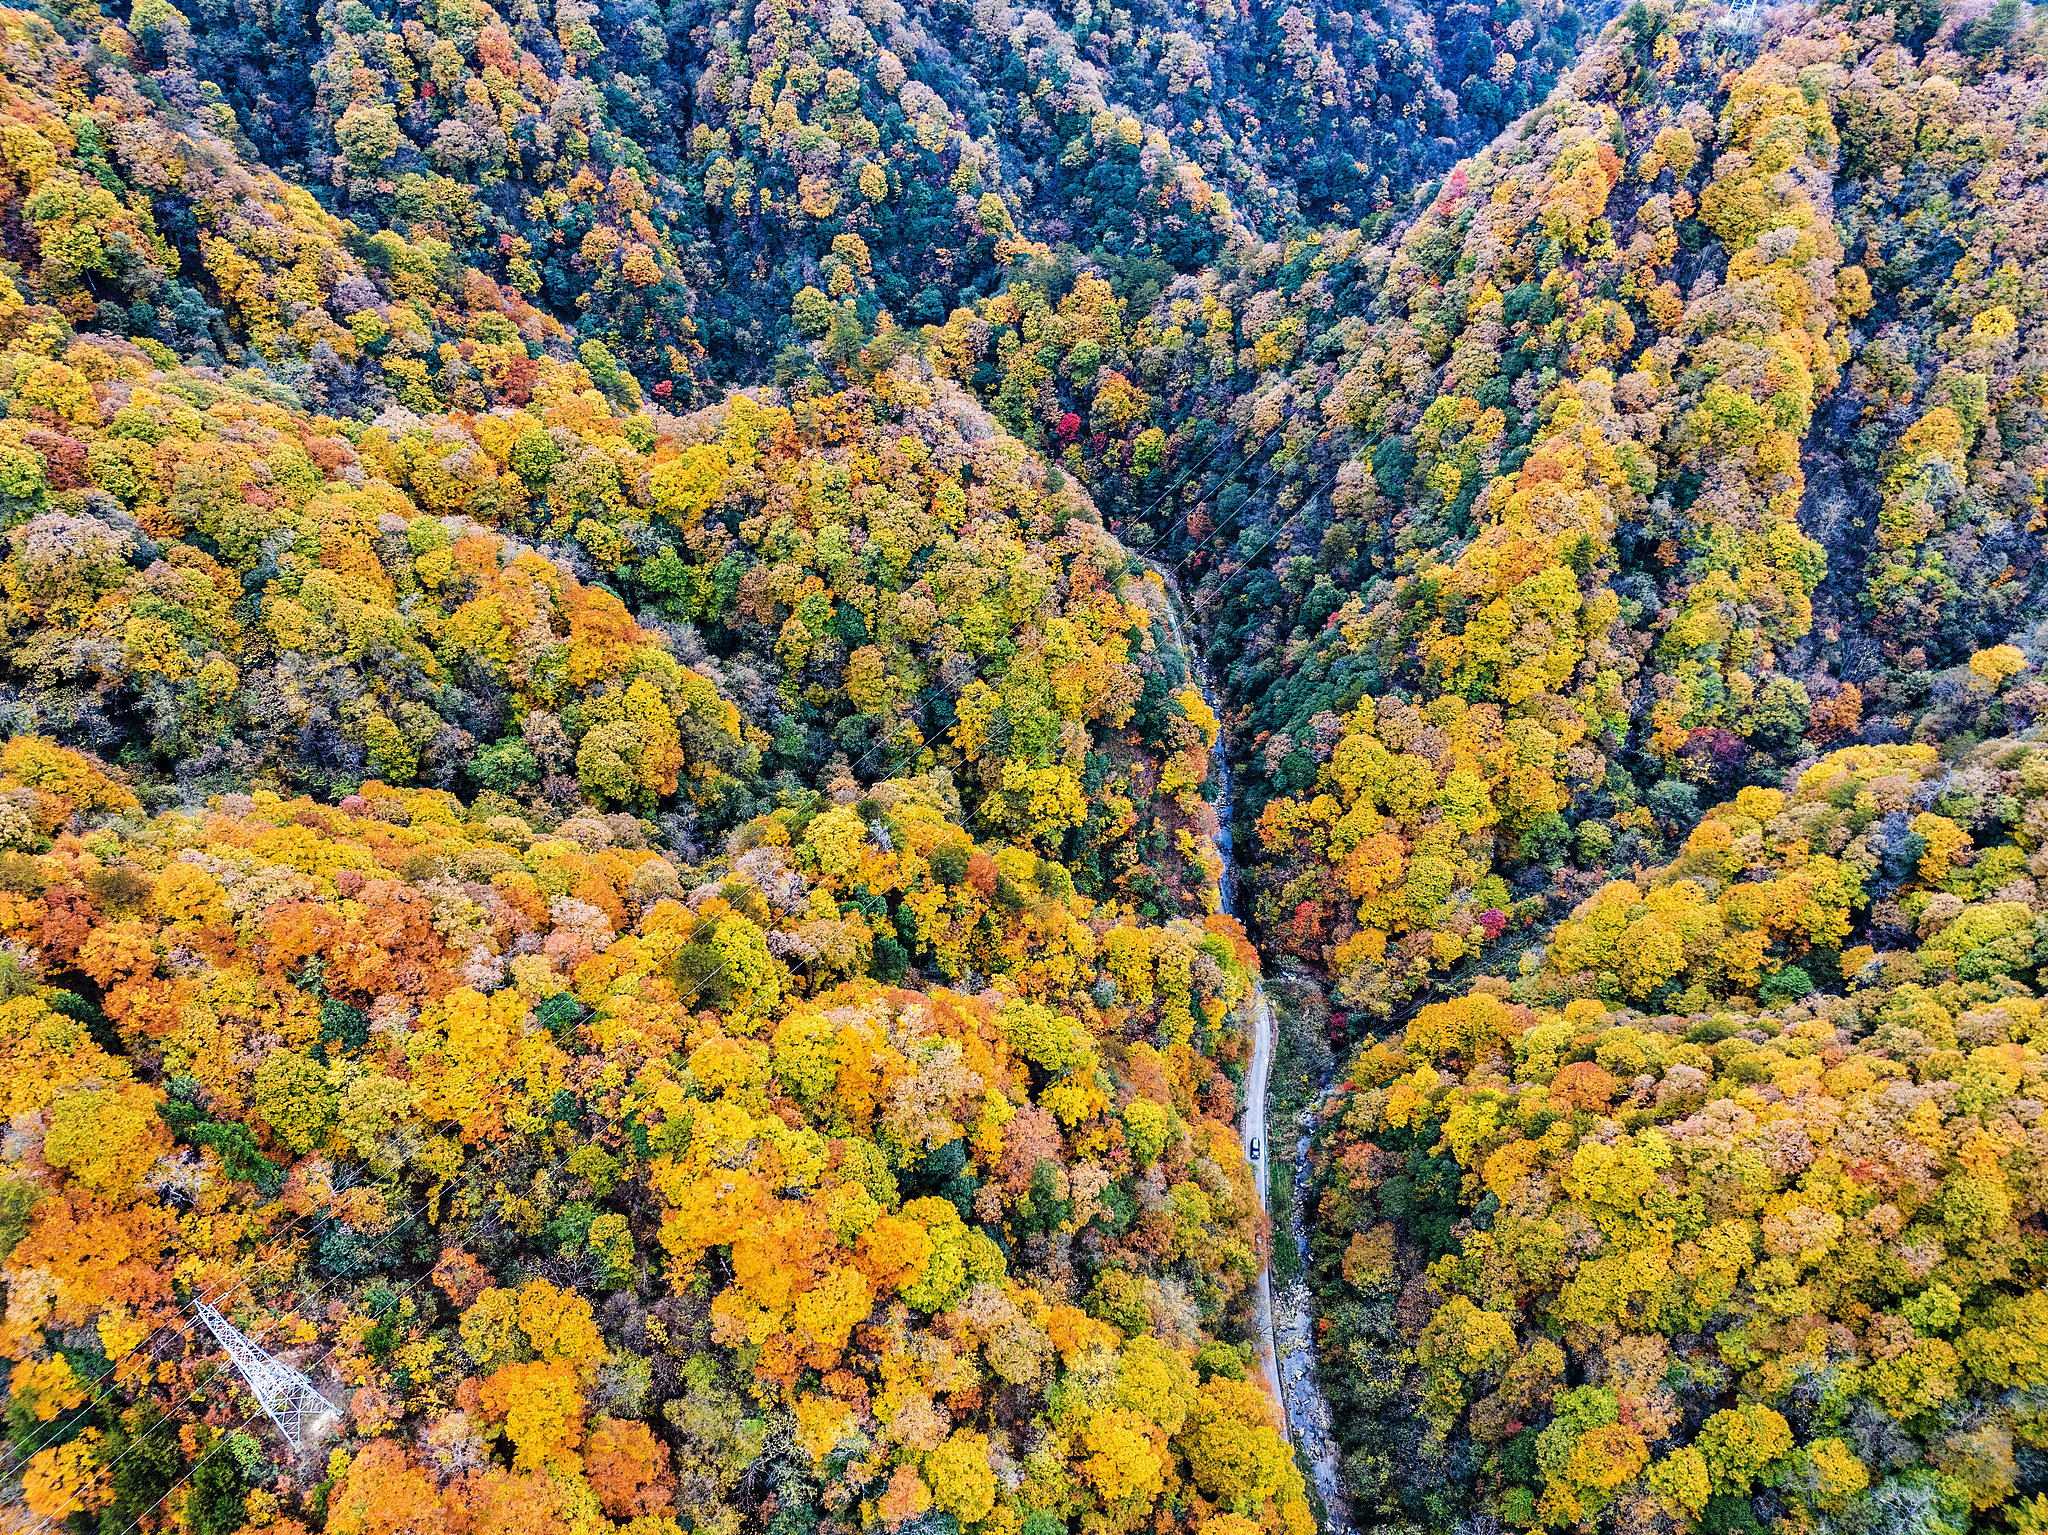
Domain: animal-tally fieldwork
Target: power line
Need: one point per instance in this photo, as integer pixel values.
(408, 1287)
(213, 1294)
(385, 1237)
(1243, 507)
(1252, 453)
(222, 1439)
(1270, 538)
(1222, 436)
(389, 1232)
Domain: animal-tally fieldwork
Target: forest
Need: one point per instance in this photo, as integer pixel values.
(688, 691)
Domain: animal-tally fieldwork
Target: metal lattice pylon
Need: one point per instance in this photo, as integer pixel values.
(285, 1393)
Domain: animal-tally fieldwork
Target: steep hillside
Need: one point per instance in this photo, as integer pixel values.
(609, 837)
(669, 961)
(1765, 1251)
(676, 176)
(1628, 487)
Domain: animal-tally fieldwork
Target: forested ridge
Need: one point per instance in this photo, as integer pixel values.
(609, 842)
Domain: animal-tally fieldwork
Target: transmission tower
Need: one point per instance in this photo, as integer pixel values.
(286, 1394)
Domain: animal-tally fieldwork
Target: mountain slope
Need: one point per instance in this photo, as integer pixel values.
(606, 834)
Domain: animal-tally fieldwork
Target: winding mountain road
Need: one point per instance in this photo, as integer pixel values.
(1286, 1343)
(1255, 1132)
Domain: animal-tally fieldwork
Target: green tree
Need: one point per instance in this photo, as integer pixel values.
(293, 1098)
(812, 311)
